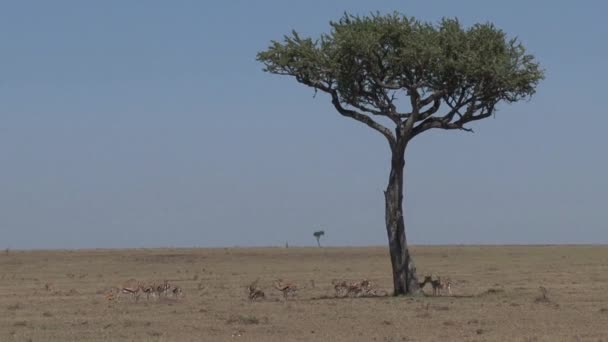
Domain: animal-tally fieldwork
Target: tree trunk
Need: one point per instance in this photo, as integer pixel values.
(405, 280)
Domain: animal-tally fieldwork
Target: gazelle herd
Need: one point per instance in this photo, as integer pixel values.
(154, 290)
(344, 288)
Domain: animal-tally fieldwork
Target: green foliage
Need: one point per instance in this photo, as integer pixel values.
(367, 62)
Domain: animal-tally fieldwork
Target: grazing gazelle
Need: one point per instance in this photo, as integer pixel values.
(288, 289)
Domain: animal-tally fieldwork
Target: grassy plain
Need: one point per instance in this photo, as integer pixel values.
(496, 295)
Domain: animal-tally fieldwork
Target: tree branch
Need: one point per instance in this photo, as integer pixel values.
(435, 122)
(378, 99)
(468, 116)
(458, 104)
(408, 124)
(335, 100)
(392, 86)
(434, 97)
(485, 112)
(427, 113)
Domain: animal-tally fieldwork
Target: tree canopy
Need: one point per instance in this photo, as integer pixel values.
(367, 63)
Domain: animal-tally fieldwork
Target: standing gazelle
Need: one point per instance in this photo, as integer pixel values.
(439, 285)
(133, 291)
(288, 289)
(148, 290)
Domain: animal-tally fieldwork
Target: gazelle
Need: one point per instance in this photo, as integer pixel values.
(133, 291)
(254, 292)
(162, 288)
(446, 285)
(341, 287)
(176, 291)
(148, 290)
(356, 289)
(366, 286)
(288, 289)
(439, 285)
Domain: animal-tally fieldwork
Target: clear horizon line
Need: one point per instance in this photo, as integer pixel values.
(310, 246)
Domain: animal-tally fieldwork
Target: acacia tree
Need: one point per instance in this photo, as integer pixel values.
(442, 76)
(318, 235)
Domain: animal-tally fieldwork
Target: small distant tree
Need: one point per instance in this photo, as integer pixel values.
(318, 235)
(415, 77)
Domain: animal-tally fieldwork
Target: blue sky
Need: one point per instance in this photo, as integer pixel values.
(142, 124)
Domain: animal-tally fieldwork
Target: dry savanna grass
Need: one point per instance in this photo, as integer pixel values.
(542, 293)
